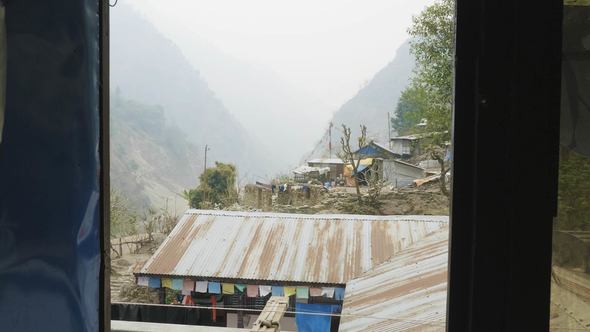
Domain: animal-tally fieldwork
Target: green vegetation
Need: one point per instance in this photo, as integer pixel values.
(123, 218)
(430, 93)
(573, 191)
(217, 188)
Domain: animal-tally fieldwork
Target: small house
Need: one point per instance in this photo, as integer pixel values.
(405, 146)
(336, 166)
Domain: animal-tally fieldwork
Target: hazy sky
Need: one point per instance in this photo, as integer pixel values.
(328, 47)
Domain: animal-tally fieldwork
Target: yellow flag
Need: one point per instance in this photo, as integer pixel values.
(289, 291)
(227, 288)
(167, 282)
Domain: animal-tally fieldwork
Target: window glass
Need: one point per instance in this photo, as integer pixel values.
(570, 282)
(295, 149)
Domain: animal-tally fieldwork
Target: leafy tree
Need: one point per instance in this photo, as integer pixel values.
(430, 93)
(217, 186)
(573, 191)
(347, 153)
(123, 217)
(410, 110)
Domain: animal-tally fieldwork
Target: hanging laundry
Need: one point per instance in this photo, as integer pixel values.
(264, 290)
(240, 288)
(214, 288)
(290, 291)
(227, 289)
(166, 282)
(328, 292)
(188, 300)
(302, 292)
(252, 291)
(339, 294)
(278, 291)
(143, 281)
(187, 286)
(201, 286)
(154, 282)
(177, 284)
(315, 291)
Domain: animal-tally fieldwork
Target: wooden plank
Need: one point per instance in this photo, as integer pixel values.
(269, 318)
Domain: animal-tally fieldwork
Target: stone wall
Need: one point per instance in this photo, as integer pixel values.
(257, 197)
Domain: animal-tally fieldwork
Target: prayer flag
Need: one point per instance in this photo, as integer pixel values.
(264, 290)
(227, 288)
(302, 292)
(214, 288)
(278, 291)
(154, 282)
(201, 287)
(167, 282)
(314, 291)
(177, 284)
(252, 290)
(328, 292)
(290, 291)
(142, 281)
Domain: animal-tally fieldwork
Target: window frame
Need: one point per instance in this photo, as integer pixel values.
(507, 102)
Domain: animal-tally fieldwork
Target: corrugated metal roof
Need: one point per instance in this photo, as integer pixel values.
(336, 161)
(329, 249)
(407, 293)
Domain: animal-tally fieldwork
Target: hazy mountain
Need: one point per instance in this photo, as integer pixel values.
(152, 70)
(151, 160)
(372, 103)
(279, 114)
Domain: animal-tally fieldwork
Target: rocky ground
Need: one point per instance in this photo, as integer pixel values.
(123, 287)
(425, 200)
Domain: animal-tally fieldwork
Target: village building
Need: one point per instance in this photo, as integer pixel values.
(336, 166)
(393, 171)
(375, 150)
(405, 146)
(397, 173)
(407, 293)
(233, 260)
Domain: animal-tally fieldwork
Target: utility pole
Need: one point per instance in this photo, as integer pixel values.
(389, 129)
(330, 134)
(206, 149)
(205, 170)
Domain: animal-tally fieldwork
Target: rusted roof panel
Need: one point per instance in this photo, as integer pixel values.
(408, 293)
(329, 249)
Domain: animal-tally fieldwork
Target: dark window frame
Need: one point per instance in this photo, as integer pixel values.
(506, 144)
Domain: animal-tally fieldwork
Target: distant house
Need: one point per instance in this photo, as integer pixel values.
(336, 166)
(398, 173)
(307, 173)
(405, 146)
(376, 150)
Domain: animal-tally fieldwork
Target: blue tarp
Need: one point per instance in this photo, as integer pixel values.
(313, 323)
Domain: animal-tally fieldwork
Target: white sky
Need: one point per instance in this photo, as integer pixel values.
(327, 47)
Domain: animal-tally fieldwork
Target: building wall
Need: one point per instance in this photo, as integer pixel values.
(257, 197)
(400, 175)
(335, 169)
(401, 147)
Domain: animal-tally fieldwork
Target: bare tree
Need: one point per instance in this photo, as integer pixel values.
(438, 153)
(347, 153)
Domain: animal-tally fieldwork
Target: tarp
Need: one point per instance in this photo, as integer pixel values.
(308, 322)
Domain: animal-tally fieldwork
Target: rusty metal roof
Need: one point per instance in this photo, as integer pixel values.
(408, 293)
(330, 249)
